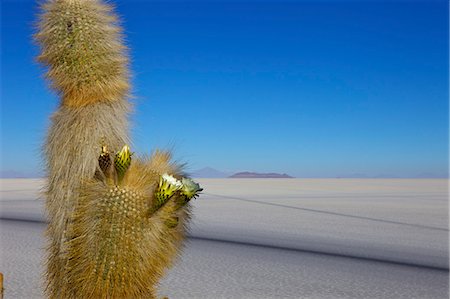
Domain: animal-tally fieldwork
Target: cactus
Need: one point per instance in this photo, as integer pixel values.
(111, 234)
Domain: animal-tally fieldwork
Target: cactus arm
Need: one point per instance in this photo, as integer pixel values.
(117, 249)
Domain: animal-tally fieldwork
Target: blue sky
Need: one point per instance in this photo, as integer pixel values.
(313, 89)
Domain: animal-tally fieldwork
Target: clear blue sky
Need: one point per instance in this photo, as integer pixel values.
(313, 89)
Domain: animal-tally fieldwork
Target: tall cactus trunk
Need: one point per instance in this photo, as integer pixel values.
(106, 239)
(72, 151)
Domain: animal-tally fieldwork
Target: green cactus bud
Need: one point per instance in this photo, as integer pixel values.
(122, 161)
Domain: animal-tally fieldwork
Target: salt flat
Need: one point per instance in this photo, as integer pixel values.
(277, 238)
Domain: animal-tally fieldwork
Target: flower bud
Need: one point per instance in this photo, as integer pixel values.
(122, 161)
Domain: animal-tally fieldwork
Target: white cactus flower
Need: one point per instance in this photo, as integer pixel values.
(190, 188)
(168, 185)
(170, 180)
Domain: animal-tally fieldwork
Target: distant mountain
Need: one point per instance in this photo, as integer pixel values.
(256, 175)
(209, 173)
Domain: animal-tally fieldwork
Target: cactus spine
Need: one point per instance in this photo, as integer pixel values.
(108, 235)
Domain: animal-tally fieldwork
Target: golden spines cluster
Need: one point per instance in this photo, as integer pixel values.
(81, 44)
